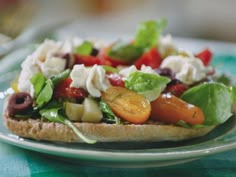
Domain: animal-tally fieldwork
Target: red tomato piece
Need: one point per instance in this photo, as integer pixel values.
(87, 60)
(116, 80)
(205, 56)
(177, 89)
(150, 58)
(63, 90)
(107, 60)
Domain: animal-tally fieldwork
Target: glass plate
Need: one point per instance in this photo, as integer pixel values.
(138, 154)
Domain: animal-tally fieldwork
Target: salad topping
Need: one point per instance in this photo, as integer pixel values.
(134, 82)
(187, 69)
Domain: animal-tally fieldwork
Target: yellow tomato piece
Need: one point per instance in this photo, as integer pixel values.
(127, 104)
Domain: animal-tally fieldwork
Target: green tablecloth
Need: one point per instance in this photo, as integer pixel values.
(17, 162)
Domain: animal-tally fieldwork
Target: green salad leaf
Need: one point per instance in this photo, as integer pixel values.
(224, 79)
(214, 99)
(149, 85)
(109, 116)
(233, 88)
(56, 115)
(44, 90)
(38, 82)
(85, 48)
(148, 33)
(52, 115)
(146, 37)
(110, 69)
(186, 125)
(46, 94)
(59, 77)
(125, 51)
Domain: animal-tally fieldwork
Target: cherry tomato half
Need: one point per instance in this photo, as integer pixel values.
(177, 89)
(115, 79)
(150, 58)
(171, 109)
(127, 104)
(87, 60)
(205, 56)
(63, 90)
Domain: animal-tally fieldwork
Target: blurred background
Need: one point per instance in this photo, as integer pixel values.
(27, 19)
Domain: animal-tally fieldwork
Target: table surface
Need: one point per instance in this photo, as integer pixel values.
(18, 162)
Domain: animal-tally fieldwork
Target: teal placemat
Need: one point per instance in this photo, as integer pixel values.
(17, 162)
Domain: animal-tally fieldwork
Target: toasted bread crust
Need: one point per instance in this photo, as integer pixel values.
(101, 132)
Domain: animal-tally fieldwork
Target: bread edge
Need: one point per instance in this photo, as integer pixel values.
(101, 132)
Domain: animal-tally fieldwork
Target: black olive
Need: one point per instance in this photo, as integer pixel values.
(166, 72)
(174, 82)
(19, 103)
(94, 52)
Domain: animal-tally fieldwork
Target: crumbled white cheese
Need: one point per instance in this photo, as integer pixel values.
(28, 70)
(53, 66)
(46, 60)
(166, 46)
(187, 69)
(93, 79)
(129, 70)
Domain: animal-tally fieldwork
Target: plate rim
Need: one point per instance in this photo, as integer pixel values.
(116, 155)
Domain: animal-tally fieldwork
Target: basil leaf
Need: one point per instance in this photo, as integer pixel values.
(46, 94)
(108, 115)
(214, 99)
(52, 115)
(110, 69)
(148, 33)
(85, 48)
(125, 52)
(38, 82)
(224, 79)
(59, 77)
(55, 115)
(233, 88)
(146, 84)
(186, 125)
(45, 90)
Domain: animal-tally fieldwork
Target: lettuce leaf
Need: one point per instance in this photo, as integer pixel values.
(38, 82)
(46, 94)
(146, 37)
(214, 99)
(85, 48)
(146, 84)
(109, 116)
(44, 88)
(110, 69)
(56, 115)
(59, 77)
(125, 51)
(148, 33)
(233, 88)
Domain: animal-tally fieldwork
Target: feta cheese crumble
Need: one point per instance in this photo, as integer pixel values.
(43, 60)
(187, 69)
(93, 79)
(129, 70)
